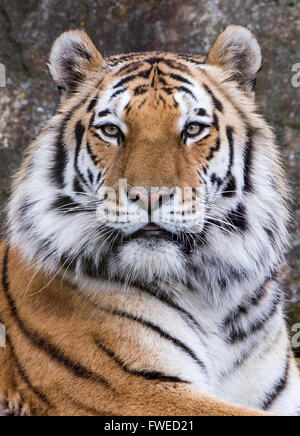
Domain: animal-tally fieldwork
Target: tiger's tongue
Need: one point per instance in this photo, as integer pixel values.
(152, 227)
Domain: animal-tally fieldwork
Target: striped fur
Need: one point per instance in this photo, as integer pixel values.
(187, 322)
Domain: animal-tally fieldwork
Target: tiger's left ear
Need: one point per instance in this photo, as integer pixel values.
(237, 50)
(73, 58)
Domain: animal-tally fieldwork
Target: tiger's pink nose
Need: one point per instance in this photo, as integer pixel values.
(149, 200)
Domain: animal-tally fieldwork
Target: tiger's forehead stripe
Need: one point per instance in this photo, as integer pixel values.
(171, 75)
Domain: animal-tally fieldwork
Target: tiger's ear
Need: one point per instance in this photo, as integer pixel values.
(237, 50)
(73, 57)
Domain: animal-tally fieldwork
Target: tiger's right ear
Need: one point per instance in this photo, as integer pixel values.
(237, 51)
(73, 58)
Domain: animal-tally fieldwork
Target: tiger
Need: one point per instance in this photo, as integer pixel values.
(120, 295)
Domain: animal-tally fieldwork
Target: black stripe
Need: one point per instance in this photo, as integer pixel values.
(119, 92)
(201, 112)
(218, 105)
(244, 309)
(94, 158)
(236, 219)
(239, 334)
(162, 333)
(86, 408)
(215, 179)
(164, 298)
(61, 156)
(144, 74)
(92, 120)
(125, 80)
(115, 60)
(215, 149)
(66, 205)
(129, 68)
(187, 91)
(190, 58)
(43, 343)
(229, 134)
(168, 91)
(215, 123)
(90, 176)
(175, 65)
(180, 79)
(149, 375)
(37, 392)
(77, 187)
(60, 159)
(229, 190)
(160, 80)
(248, 158)
(278, 388)
(79, 133)
(92, 104)
(140, 90)
(104, 113)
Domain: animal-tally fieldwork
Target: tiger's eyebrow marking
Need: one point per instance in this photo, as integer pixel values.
(201, 112)
(120, 91)
(187, 91)
(104, 113)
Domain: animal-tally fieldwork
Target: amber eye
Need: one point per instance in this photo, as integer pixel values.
(193, 129)
(111, 130)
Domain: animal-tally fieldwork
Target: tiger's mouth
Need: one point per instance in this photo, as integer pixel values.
(151, 228)
(152, 231)
(151, 235)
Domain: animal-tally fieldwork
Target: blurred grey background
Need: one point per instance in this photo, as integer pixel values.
(28, 28)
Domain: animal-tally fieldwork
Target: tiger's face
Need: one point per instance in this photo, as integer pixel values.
(153, 132)
(149, 163)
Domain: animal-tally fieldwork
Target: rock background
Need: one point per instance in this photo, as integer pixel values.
(27, 30)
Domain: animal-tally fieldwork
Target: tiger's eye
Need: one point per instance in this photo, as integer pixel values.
(110, 130)
(193, 129)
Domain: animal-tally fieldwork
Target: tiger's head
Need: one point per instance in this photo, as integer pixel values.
(155, 169)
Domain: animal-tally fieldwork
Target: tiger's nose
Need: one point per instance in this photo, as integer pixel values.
(149, 200)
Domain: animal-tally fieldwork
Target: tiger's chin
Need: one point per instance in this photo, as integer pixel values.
(149, 257)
